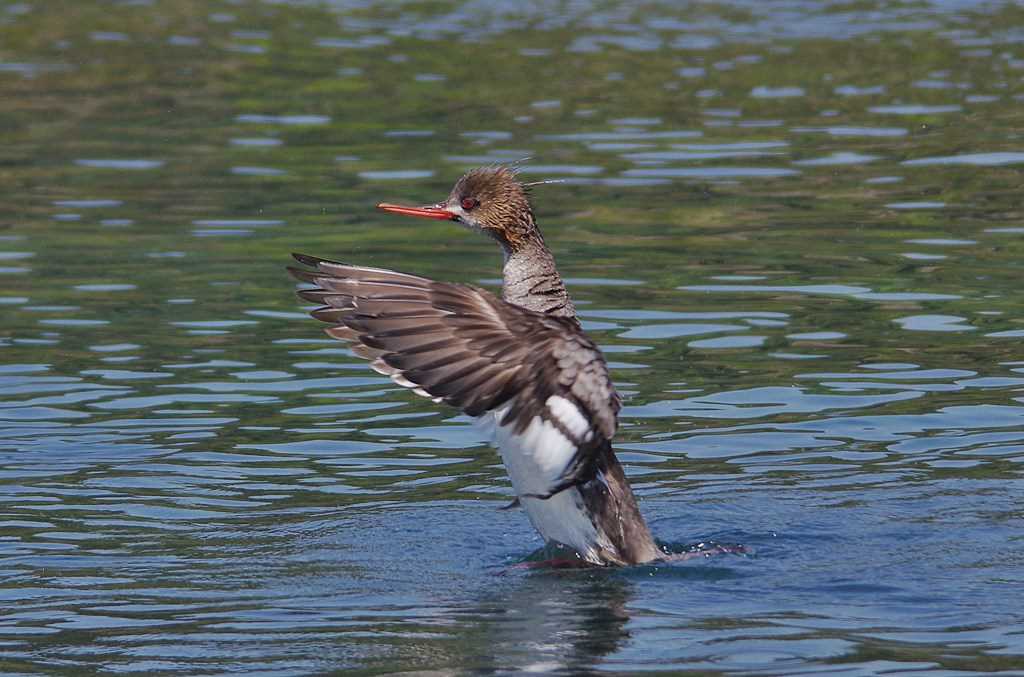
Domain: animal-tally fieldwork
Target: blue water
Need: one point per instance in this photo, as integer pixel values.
(793, 227)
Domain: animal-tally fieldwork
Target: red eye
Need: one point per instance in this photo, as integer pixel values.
(469, 202)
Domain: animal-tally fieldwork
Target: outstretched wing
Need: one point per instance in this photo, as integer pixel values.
(461, 345)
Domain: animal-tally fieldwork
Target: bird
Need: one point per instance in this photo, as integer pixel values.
(520, 364)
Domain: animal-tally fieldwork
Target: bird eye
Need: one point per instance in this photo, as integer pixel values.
(469, 202)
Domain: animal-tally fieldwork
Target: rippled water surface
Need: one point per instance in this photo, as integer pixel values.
(794, 227)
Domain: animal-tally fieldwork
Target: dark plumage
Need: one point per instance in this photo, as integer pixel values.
(461, 345)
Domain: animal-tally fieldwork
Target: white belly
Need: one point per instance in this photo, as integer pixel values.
(535, 459)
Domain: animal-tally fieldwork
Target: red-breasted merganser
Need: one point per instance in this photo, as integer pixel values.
(520, 363)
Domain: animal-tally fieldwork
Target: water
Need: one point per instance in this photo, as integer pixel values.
(794, 227)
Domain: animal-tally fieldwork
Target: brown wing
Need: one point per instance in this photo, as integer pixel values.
(463, 346)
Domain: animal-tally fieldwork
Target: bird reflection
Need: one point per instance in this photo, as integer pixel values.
(551, 621)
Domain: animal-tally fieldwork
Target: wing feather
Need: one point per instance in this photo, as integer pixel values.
(461, 345)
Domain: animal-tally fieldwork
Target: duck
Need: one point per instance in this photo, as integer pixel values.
(519, 364)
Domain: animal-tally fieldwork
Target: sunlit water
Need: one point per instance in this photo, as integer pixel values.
(794, 227)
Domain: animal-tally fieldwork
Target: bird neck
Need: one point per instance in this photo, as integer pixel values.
(531, 280)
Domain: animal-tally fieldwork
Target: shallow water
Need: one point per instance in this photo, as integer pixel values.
(794, 227)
